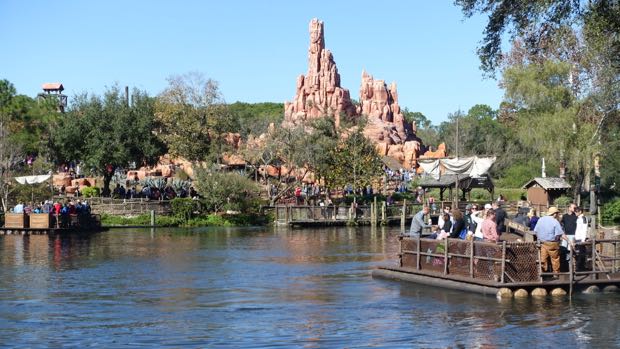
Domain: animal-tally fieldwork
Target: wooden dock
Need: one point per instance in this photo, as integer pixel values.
(47, 224)
(378, 213)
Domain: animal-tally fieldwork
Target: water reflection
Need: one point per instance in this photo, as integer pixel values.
(260, 288)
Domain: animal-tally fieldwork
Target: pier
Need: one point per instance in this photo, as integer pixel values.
(48, 224)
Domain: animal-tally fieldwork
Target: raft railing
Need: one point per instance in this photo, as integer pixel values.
(504, 262)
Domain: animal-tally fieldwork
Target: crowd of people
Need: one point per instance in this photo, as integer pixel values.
(557, 233)
(60, 211)
(54, 208)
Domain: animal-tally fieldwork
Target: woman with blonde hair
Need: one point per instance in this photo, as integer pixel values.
(533, 218)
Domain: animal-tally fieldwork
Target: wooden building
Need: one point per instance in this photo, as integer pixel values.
(544, 190)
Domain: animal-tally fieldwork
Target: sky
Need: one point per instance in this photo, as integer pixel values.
(254, 49)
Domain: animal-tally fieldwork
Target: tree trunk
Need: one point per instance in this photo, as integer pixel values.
(107, 178)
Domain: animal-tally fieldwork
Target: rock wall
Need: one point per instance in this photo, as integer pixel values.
(318, 93)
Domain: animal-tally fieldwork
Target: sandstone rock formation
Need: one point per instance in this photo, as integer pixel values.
(318, 93)
(386, 126)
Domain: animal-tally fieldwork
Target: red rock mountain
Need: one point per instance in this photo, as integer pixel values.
(319, 94)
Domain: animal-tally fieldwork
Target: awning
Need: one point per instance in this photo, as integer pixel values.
(470, 166)
(32, 179)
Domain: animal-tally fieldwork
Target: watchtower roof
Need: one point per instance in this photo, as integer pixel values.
(52, 86)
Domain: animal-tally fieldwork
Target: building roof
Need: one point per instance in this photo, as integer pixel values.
(52, 86)
(392, 163)
(548, 183)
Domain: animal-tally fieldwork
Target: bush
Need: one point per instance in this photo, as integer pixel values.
(220, 189)
(562, 201)
(611, 211)
(517, 175)
(90, 192)
(183, 208)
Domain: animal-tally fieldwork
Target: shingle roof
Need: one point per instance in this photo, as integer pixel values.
(52, 86)
(549, 183)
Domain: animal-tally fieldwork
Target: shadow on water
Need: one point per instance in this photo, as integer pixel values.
(260, 287)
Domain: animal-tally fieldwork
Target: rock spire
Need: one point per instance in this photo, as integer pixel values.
(318, 93)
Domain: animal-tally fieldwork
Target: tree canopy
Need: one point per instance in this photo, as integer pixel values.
(193, 117)
(105, 133)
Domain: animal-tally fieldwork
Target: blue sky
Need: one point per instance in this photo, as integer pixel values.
(254, 49)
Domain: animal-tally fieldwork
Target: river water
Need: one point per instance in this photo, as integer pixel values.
(258, 288)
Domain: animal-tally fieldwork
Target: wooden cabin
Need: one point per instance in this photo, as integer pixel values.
(544, 190)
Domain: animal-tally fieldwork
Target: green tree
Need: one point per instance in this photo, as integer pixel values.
(106, 133)
(550, 118)
(421, 121)
(355, 161)
(24, 131)
(255, 118)
(543, 21)
(194, 118)
(222, 190)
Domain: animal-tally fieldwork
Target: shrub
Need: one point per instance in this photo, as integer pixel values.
(562, 201)
(219, 189)
(90, 192)
(183, 208)
(611, 211)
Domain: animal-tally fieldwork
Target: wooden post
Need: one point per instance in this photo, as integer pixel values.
(503, 261)
(372, 213)
(471, 258)
(403, 215)
(286, 214)
(152, 218)
(400, 250)
(614, 265)
(383, 213)
(417, 264)
(276, 216)
(539, 260)
(571, 270)
(445, 256)
(594, 276)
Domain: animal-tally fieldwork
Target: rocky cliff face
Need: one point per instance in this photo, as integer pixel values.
(318, 93)
(387, 127)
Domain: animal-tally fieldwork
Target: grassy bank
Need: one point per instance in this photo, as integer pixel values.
(199, 221)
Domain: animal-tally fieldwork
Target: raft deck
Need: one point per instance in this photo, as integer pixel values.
(485, 267)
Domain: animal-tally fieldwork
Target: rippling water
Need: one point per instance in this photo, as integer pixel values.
(257, 288)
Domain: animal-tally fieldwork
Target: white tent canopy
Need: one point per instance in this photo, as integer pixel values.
(469, 166)
(32, 179)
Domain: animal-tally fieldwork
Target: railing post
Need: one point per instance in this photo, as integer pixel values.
(615, 257)
(594, 276)
(286, 214)
(571, 269)
(539, 260)
(400, 250)
(403, 215)
(445, 258)
(383, 209)
(503, 261)
(471, 258)
(417, 264)
(152, 218)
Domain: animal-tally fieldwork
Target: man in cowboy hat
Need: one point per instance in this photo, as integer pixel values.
(549, 232)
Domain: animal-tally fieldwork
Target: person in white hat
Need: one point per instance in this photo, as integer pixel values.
(549, 232)
(478, 217)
